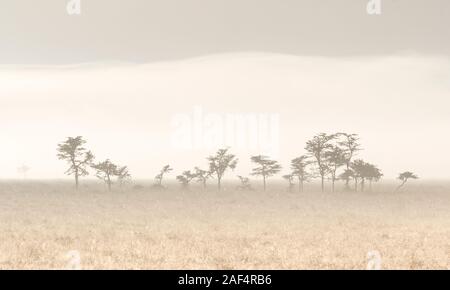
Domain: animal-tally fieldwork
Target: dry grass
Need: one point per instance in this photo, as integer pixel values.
(141, 229)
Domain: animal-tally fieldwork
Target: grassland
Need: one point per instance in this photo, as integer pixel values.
(140, 228)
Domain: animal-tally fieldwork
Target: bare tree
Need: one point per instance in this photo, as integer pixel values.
(220, 163)
(350, 144)
(202, 176)
(123, 175)
(159, 178)
(78, 158)
(106, 171)
(299, 169)
(290, 178)
(266, 168)
(404, 177)
(186, 178)
(245, 183)
(318, 148)
(335, 159)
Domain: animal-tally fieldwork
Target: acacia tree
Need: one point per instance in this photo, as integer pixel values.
(123, 175)
(335, 159)
(186, 178)
(404, 177)
(363, 171)
(159, 178)
(245, 183)
(374, 174)
(290, 178)
(220, 163)
(350, 144)
(359, 168)
(106, 171)
(299, 170)
(348, 175)
(202, 176)
(266, 168)
(318, 148)
(79, 158)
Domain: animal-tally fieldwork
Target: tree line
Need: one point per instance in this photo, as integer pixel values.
(80, 159)
(328, 157)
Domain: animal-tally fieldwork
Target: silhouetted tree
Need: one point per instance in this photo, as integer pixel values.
(245, 183)
(350, 144)
(123, 175)
(220, 163)
(266, 168)
(202, 176)
(318, 148)
(374, 174)
(404, 177)
(186, 178)
(290, 178)
(348, 175)
(359, 168)
(106, 171)
(363, 171)
(78, 158)
(335, 159)
(299, 170)
(159, 178)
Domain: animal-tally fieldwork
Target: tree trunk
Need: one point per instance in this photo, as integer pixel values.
(363, 183)
(356, 184)
(401, 185)
(219, 183)
(300, 185)
(264, 181)
(76, 180)
(333, 181)
(323, 183)
(347, 178)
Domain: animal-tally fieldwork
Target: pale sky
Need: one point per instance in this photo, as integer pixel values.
(122, 72)
(148, 30)
(398, 104)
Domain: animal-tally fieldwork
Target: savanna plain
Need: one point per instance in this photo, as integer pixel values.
(142, 228)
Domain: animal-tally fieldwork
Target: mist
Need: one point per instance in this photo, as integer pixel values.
(398, 104)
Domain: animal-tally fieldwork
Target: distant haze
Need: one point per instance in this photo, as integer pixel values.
(398, 104)
(151, 82)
